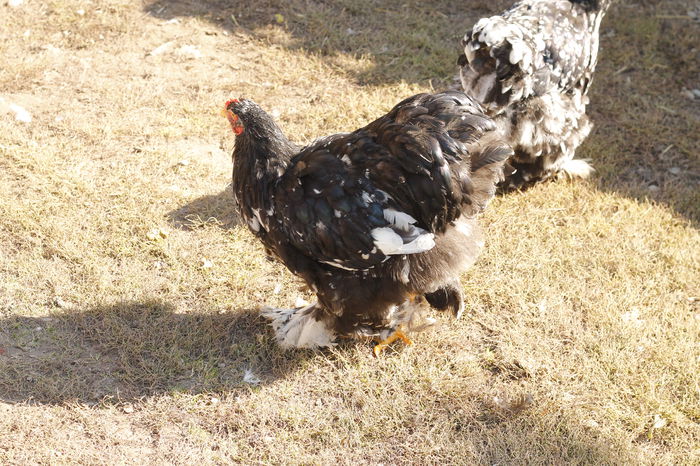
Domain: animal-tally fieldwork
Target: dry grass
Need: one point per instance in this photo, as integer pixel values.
(582, 340)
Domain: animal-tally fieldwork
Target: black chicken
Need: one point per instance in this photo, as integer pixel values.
(374, 220)
(531, 68)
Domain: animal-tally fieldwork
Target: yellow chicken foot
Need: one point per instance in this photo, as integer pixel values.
(392, 338)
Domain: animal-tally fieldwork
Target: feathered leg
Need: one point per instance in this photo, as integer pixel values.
(302, 327)
(404, 315)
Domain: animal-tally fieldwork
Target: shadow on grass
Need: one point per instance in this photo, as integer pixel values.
(674, 184)
(219, 209)
(128, 350)
(644, 145)
(652, 163)
(412, 41)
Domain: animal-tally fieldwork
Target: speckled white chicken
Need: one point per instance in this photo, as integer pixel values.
(531, 68)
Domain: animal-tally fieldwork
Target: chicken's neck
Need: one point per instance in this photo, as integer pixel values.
(259, 160)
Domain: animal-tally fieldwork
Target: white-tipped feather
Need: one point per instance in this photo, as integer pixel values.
(341, 266)
(423, 243)
(256, 212)
(577, 168)
(464, 227)
(401, 220)
(517, 52)
(517, 94)
(481, 24)
(254, 224)
(387, 240)
(299, 328)
(469, 53)
(390, 243)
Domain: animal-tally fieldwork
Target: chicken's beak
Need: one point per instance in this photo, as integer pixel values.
(233, 119)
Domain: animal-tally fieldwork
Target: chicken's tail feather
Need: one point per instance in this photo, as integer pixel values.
(449, 297)
(486, 171)
(500, 62)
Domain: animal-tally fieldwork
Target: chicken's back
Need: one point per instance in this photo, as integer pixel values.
(535, 47)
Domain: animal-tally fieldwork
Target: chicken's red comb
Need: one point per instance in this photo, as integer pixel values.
(230, 101)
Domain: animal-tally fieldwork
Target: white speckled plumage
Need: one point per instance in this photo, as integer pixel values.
(531, 67)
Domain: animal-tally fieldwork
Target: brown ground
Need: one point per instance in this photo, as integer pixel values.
(119, 344)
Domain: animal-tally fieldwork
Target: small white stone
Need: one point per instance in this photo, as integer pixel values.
(659, 422)
(675, 170)
(189, 51)
(21, 114)
(250, 378)
(688, 93)
(301, 302)
(591, 423)
(160, 265)
(653, 188)
(60, 302)
(160, 49)
(157, 234)
(14, 3)
(80, 12)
